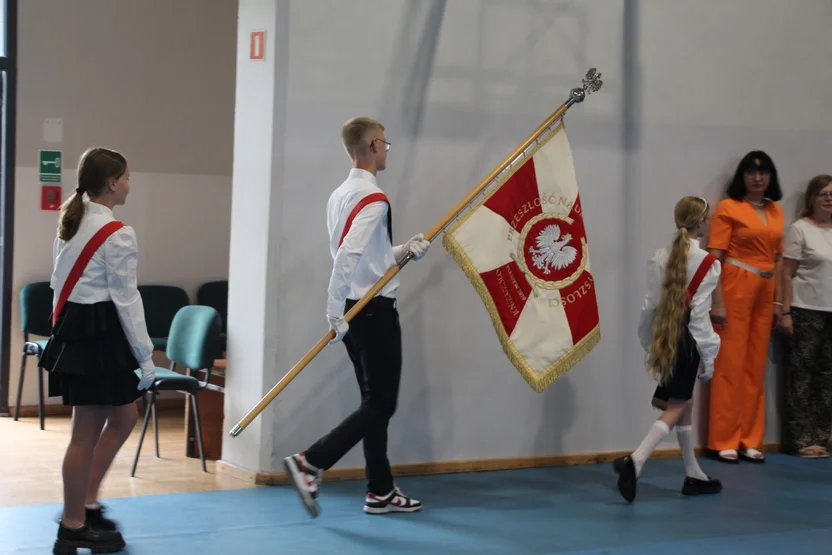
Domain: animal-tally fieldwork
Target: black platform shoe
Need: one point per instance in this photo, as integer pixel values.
(626, 469)
(695, 486)
(97, 520)
(97, 541)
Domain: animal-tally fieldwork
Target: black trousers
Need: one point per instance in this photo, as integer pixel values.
(374, 344)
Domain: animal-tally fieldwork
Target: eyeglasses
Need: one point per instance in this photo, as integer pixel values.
(825, 194)
(387, 147)
(752, 172)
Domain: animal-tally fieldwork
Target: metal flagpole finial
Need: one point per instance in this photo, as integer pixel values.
(591, 83)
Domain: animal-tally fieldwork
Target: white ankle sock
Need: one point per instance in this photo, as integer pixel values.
(92, 506)
(658, 431)
(692, 469)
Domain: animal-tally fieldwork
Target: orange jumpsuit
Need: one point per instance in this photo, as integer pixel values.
(737, 401)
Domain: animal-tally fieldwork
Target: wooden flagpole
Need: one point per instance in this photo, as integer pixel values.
(590, 83)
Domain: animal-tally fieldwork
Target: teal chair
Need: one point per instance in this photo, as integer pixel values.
(35, 319)
(194, 343)
(215, 295)
(161, 303)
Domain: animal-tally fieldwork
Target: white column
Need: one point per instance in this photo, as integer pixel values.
(259, 147)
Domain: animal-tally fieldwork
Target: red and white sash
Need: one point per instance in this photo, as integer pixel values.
(369, 199)
(704, 266)
(81, 263)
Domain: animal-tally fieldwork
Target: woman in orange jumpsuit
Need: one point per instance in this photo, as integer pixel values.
(747, 236)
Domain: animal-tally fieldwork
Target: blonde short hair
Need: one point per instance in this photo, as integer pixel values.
(356, 133)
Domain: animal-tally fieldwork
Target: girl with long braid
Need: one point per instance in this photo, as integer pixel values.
(676, 333)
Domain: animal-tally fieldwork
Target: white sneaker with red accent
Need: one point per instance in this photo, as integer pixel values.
(306, 479)
(393, 502)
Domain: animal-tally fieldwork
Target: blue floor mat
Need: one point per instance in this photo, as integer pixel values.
(780, 507)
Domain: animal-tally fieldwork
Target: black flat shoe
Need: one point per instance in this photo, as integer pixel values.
(626, 469)
(97, 520)
(695, 486)
(97, 541)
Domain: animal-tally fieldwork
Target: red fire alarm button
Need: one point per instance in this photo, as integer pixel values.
(50, 198)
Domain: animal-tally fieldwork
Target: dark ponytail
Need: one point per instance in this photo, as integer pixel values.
(97, 167)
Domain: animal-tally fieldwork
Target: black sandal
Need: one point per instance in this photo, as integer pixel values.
(729, 460)
(744, 454)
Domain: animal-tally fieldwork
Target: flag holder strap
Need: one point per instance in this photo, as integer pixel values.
(589, 84)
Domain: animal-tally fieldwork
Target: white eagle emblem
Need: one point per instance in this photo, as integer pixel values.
(552, 251)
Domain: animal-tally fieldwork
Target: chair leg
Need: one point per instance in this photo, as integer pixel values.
(195, 404)
(20, 384)
(40, 397)
(144, 429)
(155, 424)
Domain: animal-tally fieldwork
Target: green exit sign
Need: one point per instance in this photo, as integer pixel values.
(50, 166)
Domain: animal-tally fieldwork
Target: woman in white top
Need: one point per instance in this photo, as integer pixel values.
(99, 339)
(676, 333)
(807, 319)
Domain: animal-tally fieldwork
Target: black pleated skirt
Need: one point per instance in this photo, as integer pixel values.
(682, 382)
(89, 359)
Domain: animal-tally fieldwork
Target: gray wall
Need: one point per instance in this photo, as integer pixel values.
(154, 77)
(689, 88)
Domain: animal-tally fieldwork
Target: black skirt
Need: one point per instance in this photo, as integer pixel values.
(89, 359)
(683, 380)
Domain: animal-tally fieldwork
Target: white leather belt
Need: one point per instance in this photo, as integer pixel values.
(749, 268)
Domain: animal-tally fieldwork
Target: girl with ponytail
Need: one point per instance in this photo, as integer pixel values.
(680, 344)
(99, 354)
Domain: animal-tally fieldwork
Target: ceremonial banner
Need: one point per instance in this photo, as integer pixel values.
(524, 248)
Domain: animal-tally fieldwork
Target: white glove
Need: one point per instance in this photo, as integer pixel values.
(706, 371)
(148, 375)
(418, 246)
(339, 326)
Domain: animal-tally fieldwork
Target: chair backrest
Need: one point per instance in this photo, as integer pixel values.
(215, 295)
(194, 340)
(161, 302)
(36, 308)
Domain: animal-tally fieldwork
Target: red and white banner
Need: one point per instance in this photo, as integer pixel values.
(524, 248)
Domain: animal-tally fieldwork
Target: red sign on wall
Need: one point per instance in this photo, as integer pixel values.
(50, 197)
(257, 49)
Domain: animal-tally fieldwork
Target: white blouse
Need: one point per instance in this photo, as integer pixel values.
(110, 275)
(707, 341)
(811, 247)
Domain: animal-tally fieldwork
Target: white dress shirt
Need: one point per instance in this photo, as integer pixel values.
(707, 341)
(109, 276)
(366, 254)
(811, 247)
